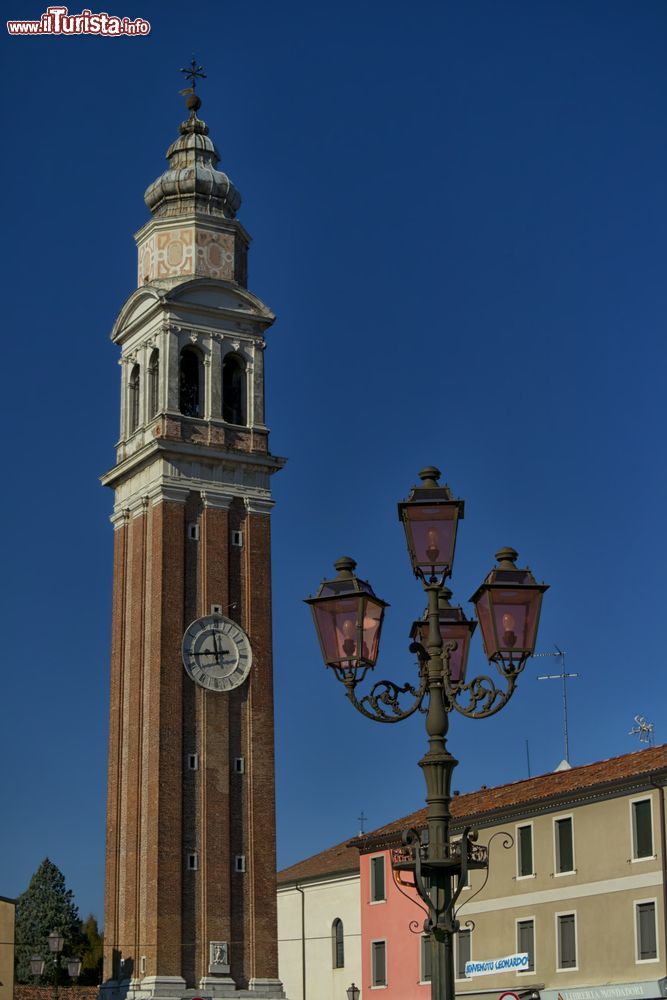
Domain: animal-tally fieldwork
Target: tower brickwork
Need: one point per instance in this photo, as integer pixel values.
(190, 860)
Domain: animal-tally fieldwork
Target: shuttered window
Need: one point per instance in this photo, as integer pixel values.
(377, 880)
(425, 969)
(525, 941)
(642, 833)
(564, 845)
(379, 963)
(462, 953)
(567, 941)
(647, 944)
(525, 851)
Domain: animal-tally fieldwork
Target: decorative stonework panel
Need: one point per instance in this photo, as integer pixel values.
(186, 250)
(215, 254)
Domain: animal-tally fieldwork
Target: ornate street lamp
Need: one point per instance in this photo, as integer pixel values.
(56, 943)
(352, 992)
(348, 620)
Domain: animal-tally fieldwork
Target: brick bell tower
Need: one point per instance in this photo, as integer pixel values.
(190, 859)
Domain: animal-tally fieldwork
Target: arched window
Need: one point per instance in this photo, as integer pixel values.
(233, 390)
(153, 383)
(134, 399)
(188, 387)
(337, 945)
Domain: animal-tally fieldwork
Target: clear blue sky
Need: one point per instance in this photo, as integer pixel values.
(459, 217)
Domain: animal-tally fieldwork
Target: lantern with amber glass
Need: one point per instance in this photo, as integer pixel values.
(454, 627)
(508, 606)
(348, 620)
(430, 516)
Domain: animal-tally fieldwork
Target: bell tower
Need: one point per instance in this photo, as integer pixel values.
(190, 895)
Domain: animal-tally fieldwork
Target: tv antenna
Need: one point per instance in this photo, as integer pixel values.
(644, 730)
(564, 677)
(362, 819)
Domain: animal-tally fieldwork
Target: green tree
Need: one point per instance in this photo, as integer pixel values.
(46, 905)
(91, 952)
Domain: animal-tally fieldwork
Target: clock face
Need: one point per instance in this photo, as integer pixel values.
(216, 653)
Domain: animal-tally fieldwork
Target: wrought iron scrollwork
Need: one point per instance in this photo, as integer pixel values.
(385, 693)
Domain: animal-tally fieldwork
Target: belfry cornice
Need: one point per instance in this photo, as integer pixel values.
(162, 449)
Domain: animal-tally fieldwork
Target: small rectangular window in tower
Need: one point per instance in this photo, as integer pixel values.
(193, 532)
(193, 761)
(193, 861)
(239, 765)
(237, 538)
(239, 863)
(216, 609)
(142, 965)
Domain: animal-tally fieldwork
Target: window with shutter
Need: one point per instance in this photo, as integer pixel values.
(377, 880)
(525, 847)
(425, 971)
(647, 943)
(564, 845)
(379, 963)
(525, 941)
(642, 832)
(567, 941)
(462, 953)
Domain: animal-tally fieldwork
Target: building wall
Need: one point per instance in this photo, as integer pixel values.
(603, 891)
(7, 914)
(308, 932)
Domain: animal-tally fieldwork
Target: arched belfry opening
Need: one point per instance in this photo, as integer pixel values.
(234, 390)
(133, 400)
(153, 383)
(190, 395)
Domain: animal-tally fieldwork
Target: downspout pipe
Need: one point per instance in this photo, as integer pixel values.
(303, 940)
(663, 857)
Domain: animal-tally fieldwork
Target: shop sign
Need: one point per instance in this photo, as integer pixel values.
(509, 963)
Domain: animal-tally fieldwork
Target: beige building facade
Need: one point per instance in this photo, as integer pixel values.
(7, 923)
(576, 880)
(319, 927)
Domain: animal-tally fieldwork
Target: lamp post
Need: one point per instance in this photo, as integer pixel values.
(352, 992)
(56, 943)
(348, 619)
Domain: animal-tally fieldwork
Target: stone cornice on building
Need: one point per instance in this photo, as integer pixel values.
(533, 796)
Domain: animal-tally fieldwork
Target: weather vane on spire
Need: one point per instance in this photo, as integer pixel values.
(192, 74)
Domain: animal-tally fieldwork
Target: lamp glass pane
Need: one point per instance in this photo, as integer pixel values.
(432, 530)
(460, 632)
(373, 613)
(516, 614)
(56, 941)
(336, 622)
(486, 623)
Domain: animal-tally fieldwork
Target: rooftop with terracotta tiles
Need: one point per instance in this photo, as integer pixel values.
(599, 777)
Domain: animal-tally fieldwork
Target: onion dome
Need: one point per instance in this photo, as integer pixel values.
(192, 183)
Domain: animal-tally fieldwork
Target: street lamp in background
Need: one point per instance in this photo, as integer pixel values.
(352, 992)
(348, 619)
(56, 944)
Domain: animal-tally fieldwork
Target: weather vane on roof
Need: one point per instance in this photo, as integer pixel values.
(644, 730)
(192, 74)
